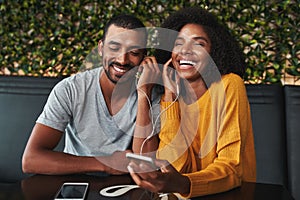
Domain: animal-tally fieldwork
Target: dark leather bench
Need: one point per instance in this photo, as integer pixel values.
(292, 110)
(21, 101)
(275, 113)
(268, 120)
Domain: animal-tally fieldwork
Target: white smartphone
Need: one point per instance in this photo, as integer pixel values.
(140, 158)
(72, 191)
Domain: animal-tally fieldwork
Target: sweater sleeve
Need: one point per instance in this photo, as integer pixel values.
(173, 145)
(170, 121)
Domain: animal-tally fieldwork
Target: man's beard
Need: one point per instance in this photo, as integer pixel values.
(109, 76)
(110, 65)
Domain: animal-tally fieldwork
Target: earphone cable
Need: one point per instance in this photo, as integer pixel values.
(148, 99)
(151, 111)
(156, 120)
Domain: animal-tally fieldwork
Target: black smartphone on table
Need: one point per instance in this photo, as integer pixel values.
(72, 190)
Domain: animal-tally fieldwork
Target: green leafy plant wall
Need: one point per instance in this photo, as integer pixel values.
(56, 38)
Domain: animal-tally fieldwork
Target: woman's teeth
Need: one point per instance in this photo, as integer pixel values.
(187, 62)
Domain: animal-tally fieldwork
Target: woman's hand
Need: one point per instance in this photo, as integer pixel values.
(149, 75)
(171, 85)
(165, 180)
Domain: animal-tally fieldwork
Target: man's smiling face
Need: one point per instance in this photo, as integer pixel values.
(122, 50)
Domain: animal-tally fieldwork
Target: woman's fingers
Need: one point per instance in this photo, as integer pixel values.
(143, 182)
(167, 63)
(150, 75)
(170, 79)
(150, 66)
(164, 165)
(156, 181)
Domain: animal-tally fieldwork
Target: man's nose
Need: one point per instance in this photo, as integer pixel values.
(123, 58)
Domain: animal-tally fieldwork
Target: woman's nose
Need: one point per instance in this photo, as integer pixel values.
(186, 49)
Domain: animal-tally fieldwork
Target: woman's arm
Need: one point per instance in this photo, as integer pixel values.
(145, 139)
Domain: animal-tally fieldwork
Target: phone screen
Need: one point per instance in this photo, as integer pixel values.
(72, 191)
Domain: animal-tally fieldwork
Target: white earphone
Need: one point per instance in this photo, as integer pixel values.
(138, 75)
(156, 120)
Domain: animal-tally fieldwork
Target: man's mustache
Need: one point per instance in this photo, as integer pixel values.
(123, 66)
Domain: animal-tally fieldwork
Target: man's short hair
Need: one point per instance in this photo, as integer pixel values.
(125, 21)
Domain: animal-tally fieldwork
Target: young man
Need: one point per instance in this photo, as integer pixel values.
(98, 109)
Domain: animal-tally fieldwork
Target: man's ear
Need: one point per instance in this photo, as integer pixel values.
(100, 47)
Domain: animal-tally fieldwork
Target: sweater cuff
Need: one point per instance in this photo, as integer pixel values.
(195, 182)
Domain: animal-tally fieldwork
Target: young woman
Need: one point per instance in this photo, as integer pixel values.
(206, 130)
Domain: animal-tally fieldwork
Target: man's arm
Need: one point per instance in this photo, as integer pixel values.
(40, 158)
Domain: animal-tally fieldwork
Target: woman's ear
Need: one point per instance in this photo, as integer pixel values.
(100, 47)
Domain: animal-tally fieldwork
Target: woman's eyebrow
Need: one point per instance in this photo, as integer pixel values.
(194, 38)
(200, 38)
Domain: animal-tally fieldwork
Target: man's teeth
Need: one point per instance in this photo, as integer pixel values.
(119, 70)
(187, 62)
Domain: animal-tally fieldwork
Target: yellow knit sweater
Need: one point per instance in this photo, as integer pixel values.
(211, 140)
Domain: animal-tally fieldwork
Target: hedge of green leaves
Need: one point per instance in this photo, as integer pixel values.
(54, 38)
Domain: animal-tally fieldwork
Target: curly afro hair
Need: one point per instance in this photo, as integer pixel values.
(225, 50)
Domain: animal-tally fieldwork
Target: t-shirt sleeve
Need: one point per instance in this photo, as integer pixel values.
(57, 110)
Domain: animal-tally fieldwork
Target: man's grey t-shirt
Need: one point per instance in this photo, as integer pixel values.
(77, 107)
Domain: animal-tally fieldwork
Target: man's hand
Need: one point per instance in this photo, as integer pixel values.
(115, 164)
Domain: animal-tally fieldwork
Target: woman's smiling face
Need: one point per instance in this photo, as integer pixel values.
(191, 51)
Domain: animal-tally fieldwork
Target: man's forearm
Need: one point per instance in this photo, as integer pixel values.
(50, 162)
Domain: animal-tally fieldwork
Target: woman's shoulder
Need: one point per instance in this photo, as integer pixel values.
(231, 77)
(233, 83)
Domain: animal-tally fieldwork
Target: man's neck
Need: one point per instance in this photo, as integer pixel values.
(115, 95)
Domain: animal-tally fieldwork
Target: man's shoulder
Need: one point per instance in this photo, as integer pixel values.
(82, 78)
(79, 81)
(83, 75)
